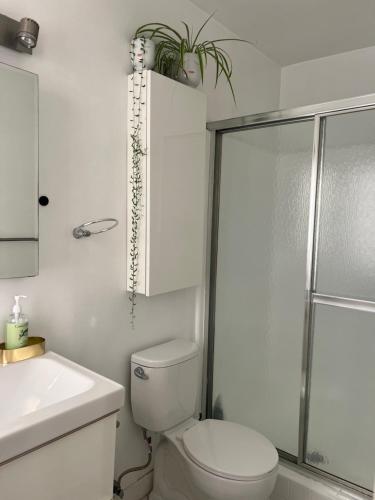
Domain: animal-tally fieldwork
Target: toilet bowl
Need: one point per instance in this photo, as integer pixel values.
(195, 460)
(214, 460)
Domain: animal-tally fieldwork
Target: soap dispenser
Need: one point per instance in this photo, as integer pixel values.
(17, 326)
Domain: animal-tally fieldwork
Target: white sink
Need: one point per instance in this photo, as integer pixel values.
(47, 397)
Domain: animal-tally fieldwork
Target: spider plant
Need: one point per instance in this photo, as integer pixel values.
(172, 47)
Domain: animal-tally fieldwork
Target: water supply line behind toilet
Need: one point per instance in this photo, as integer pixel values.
(117, 490)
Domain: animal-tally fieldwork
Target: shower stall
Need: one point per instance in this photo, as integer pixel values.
(291, 349)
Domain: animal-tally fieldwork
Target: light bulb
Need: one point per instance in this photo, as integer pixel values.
(27, 33)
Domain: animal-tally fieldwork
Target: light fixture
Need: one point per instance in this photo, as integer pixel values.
(18, 35)
(27, 33)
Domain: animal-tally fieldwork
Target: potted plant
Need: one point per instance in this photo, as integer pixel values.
(142, 53)
(184, 56)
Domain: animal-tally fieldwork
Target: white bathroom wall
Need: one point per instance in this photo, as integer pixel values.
(77, 302)
(335, 77)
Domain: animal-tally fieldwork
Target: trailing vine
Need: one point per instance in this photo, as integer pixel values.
(137, 153)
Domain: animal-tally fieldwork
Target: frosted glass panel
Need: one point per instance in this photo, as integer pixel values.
(341, 438)
(346, 257)
(264, 200)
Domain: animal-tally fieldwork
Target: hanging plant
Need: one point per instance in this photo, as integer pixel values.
(137, 153)
(185, 57)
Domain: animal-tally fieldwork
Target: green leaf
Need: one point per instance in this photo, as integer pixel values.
(222, 56)
(148, 27)
(201, 28)
(188, 37)
(183, 50)
(201, 64)
(156, 33)
(224, 71)
(225, 58)
(229, 40)
(164, 37)
(215, 56)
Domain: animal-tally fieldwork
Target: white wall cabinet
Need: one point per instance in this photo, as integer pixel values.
(171, 235)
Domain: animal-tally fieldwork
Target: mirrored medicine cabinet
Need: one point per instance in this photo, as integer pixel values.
(19, 232)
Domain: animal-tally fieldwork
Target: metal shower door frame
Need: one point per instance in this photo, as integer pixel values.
(319, 114)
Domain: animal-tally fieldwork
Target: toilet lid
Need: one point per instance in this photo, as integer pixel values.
(230, 450)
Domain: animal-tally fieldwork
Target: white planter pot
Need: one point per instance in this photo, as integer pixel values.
(191, 74)
(142, 53)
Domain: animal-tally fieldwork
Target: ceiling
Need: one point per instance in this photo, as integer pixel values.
(291, 31)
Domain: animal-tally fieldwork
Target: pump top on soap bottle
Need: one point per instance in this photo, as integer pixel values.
(17, 311)
(17, 326)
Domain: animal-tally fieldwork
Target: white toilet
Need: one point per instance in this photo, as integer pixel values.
(195, 460)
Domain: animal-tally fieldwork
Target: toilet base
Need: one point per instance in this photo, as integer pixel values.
(171, 481)
(154, 496)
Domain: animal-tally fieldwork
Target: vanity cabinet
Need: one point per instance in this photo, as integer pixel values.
(173, 176)
(78, 466)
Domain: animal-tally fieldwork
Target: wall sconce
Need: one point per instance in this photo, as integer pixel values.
(18, 35)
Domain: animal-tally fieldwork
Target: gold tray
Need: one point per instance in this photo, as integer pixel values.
(35, 347)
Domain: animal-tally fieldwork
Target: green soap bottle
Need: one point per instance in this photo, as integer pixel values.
(17, 326)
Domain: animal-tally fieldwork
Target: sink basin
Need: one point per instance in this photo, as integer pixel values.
(47, 397)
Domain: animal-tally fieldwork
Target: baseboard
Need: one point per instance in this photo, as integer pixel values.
(140, 488)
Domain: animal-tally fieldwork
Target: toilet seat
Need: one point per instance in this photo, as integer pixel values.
(230, 450)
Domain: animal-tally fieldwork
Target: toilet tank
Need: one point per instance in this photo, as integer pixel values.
(164, 384)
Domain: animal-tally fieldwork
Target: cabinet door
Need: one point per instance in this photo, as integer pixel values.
(175, 184)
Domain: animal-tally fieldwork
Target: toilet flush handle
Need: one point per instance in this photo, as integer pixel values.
(140, 373)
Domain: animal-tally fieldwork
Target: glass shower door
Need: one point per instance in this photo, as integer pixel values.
(341, 416)
(260, 280)
(293, 288)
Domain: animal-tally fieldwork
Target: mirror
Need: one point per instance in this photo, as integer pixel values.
(18, 173)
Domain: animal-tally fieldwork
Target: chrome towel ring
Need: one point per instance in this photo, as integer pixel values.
(81, 231)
